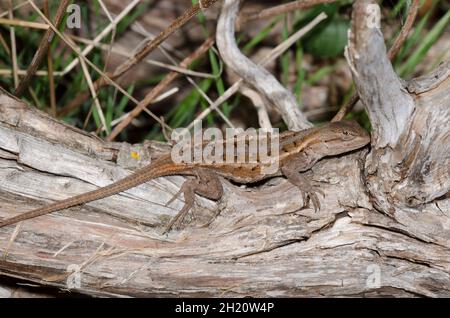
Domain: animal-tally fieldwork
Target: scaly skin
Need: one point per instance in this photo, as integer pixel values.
(299, 151)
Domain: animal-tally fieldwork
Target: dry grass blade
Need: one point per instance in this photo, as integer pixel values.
(44, 73)
(113, 33)
(42, 50)
(4, 45)
(122, 52)
(25, 24)
(159, 88)
(144, 50)
(103, 34)
(273, 54)
(51, 77)
(277, 10)
(163, 50)
(94, 93)
(20, 5)
(161, 97)
(12, 34)
(78, 52)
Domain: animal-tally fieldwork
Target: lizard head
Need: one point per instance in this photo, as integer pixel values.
(347, 134)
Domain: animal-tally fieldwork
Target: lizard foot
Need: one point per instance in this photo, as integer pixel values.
(308, 190)
(178, 219)
(311, 196)
(207, 185)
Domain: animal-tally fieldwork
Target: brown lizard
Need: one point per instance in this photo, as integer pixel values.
(298, 152)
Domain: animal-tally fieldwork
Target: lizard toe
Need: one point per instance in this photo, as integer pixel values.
(315, 200)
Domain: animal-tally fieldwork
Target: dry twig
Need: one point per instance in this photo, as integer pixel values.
(273, 55)
(25, 24)
(277, 10)
(159, 88)
(51, 78)
(42, 50)
(143, 52)
(12, 34)
(87, 61)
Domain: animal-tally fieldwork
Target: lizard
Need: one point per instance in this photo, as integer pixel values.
(298, 152)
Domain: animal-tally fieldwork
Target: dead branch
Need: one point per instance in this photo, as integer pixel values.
(383, 229)
(158, 89)
(277, 10)
(395, 48)
(265, 83)
(408, 168)
(42, 50)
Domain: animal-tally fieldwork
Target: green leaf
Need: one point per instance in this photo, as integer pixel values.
(330, 41)
(261, 35)
(184, 112)
(320, 73)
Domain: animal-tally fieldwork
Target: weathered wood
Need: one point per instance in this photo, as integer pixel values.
(408, 168)
(261, 244)
(258, 77)
(383, 229)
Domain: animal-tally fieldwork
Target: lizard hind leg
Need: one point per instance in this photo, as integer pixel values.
(291, 170)
(206, 184)
(309, 192)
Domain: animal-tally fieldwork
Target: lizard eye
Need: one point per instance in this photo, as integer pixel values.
(345, 132)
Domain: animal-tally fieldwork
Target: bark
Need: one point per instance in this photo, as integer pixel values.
(383, 229)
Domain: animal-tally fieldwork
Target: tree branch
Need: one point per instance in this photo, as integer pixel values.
(257, 77)
(388, 104)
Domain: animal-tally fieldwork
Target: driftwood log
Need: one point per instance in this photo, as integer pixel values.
(383, 229)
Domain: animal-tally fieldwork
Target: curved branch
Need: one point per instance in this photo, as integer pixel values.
(392, 53)
(388, 104)
(259, 78)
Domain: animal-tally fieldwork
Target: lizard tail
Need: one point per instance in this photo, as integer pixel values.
(160, 168)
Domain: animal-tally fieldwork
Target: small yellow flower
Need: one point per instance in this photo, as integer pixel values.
(135, 155)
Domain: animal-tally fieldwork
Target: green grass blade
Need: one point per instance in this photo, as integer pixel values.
(285, 60)
(261, 35)
(417, 56)
(300, 72)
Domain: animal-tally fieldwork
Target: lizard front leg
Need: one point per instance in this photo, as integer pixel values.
(291, 169)
(206, 184)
